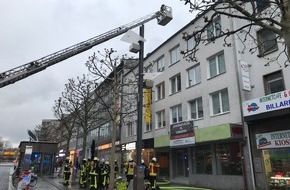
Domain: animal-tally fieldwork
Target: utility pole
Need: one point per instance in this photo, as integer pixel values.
(139, 172)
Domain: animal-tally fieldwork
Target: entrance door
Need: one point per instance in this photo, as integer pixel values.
(181, 165)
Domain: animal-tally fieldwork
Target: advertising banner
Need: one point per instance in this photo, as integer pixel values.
(271, 102)
(147, 105)
(277, 139)
(182, 133)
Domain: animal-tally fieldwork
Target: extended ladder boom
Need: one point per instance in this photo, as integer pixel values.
(163, 17)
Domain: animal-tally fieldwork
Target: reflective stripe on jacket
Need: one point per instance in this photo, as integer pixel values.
(153, 169)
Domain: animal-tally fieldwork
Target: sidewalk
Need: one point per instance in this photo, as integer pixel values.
(55, 182)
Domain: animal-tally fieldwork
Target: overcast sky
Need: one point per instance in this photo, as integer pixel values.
(31, 29)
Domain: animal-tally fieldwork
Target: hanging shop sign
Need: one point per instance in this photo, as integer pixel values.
(182, 133)
(271, 102)
(245, 76)
(277, 139)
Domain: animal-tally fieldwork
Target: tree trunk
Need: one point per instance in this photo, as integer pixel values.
(85, 133)
(67, 147)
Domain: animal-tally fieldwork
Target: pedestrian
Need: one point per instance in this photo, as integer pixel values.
(153, 170)
(83, 174)
(130, 171)
(66, 171)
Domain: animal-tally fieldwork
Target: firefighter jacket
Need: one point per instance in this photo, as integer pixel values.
(130, 168)
(153, 168)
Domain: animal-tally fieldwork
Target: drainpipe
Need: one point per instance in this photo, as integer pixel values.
(244, 124)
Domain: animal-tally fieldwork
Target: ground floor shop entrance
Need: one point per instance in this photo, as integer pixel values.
(277, 167)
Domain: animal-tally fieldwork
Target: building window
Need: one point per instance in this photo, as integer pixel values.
(191, 43)
(214, 29)
(203, 159)
(176, 114)
(194, 75)
(266, 41)
(160, 119)
(174, 55)
(274, 83)
(160, 91)
(220, 102)
(217, 65)
(175, 84)
(160, 64)
(196, 109)
(228, 157)
(262, 4)
(130, 129)
(148, 127)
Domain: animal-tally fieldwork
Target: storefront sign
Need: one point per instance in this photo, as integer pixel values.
(272, 102)
(278, 139)
(182, 133)
(245, 75)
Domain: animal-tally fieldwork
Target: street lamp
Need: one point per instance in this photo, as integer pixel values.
(164, 18)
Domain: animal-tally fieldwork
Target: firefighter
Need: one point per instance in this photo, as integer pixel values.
(66, 172)
(88, 169)
(83, 177)
(102, 172)
(94, 174)
(153, 169)
(105, 172)
(145, 169)
(130, 171)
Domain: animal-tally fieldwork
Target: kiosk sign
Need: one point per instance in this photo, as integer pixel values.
(277, 139)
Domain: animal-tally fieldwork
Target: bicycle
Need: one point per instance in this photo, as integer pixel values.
(15, 178)
(33, 180)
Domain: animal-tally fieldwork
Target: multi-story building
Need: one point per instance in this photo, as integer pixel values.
(197, 123)
(207, 124)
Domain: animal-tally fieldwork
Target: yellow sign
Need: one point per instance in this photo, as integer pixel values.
(147, 105)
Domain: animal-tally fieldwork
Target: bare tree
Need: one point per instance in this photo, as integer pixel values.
(108, 71)
(269, 17)
(81, 102)
(42, 132)
(66, 116)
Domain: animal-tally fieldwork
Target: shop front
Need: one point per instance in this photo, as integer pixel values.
(182, 137)
(105, 151)
(268, 120)
(217, 156)
(162, 149)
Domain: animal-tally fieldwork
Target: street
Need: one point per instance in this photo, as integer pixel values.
(5, 170)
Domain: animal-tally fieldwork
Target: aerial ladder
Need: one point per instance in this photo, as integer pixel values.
(163, 16)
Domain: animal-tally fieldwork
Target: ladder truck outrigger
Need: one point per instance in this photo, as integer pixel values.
(163, 16)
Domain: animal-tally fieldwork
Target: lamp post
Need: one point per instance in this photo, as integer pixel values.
(139, 178)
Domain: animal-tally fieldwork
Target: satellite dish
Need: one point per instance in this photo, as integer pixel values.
(32, 135)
